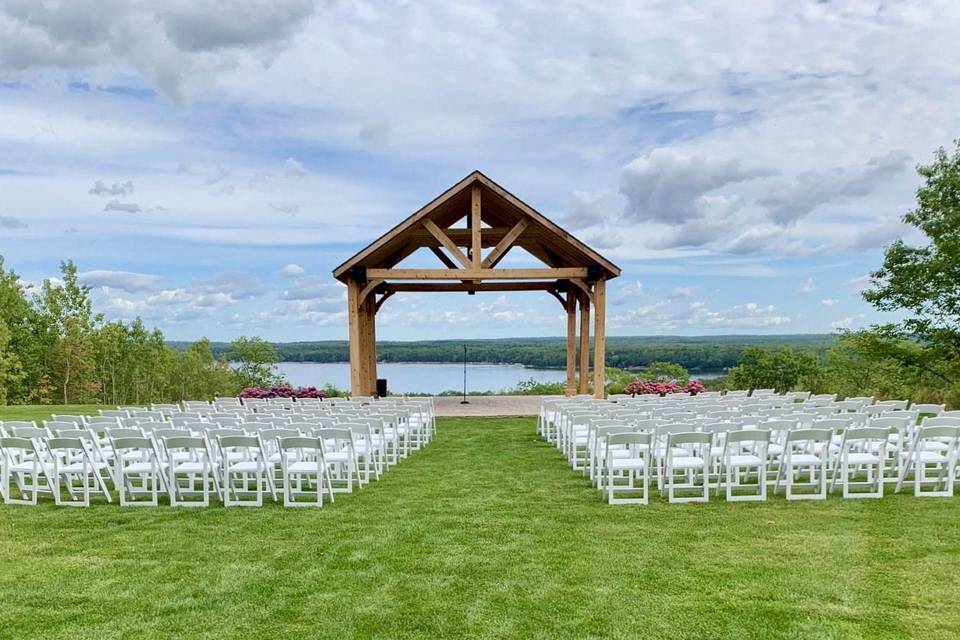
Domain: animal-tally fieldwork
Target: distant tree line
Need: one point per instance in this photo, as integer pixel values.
(55, 349)
(700, 354)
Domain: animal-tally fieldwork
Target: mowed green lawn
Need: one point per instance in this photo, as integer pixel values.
(486, 533)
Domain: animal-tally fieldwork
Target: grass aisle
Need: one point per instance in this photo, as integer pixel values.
(486, 533)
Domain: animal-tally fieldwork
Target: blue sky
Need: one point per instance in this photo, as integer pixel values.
(208, 164)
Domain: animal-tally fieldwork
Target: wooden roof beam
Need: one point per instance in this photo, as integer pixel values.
(447, 243)
(504, 245)
(444, 258)
(424, 287)
(477, 274)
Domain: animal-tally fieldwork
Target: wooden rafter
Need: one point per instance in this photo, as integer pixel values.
(422, 287)
(477, 274)
(499, 209)
(504, 245)
(444, 258)
(447, 243)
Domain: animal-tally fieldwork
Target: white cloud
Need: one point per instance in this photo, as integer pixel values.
(124, 280)
(587, 210)
(10, 222)
(813, 189)
(100, 188)
(295, 168)
(172, 43)
(842, 323)
(292, 271)
(314, 288)
(672, 187)
(229, 286)
(808, 286)
(829, 302)
(125, 207)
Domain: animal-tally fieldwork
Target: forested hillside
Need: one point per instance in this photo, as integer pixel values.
(704, 353)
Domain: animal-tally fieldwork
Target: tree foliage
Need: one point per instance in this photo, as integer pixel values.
(781, 369)
(54, 348)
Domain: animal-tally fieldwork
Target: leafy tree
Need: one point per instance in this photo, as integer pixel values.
(200, 375)
(10, 371)
(665, 371)
(924, 281)
(781, 369)
(19, 316)
(255, 362)
(68, 317)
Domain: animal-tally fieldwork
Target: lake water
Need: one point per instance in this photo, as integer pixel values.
(423, 378)
(420, 377)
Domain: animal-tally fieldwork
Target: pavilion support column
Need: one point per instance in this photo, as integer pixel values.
(355, 325)
(599, 338)
(584, 344)
(371, 305)
(571, 341)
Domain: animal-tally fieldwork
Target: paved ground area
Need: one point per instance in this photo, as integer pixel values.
(488, 406)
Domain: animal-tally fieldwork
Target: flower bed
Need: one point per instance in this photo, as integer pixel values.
(662, 387)
(282, 391)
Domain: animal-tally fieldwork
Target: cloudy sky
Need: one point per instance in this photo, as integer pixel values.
(207, 164)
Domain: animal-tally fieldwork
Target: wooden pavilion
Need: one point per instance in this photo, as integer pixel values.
(494, 219)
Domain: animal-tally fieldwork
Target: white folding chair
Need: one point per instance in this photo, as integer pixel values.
(925, 460)
(190, 470)
(302, 463)
(627, 458)
(70, 464)
(138, 471)
(340, 454)
(20, 462)
(745, 451)
(862, 450)
(805, 449)
(242, 461)
(694, 466)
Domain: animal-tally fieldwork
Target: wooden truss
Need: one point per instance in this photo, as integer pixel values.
(572, 272)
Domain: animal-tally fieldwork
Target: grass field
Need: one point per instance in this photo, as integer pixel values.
(486, 533)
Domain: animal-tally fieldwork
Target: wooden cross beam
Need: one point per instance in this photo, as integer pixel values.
(422, 287)
(504, 245)
(477, 274)
(447, 243)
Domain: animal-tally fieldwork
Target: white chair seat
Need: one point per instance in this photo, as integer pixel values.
(338, 456)
(774, 449)
(628, 463)
(862, 458)
(244, 466)
(188, 467)
(139, 467)
(27, 467)
(744, 460)
(303, 466)
(688, 462)
(932, 457)
(804, 459)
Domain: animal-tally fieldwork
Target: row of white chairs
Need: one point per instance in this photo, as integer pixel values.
(692, 444)
(72, 459)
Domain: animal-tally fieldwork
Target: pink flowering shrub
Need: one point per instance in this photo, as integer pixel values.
(662, 387)
(282, 391)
